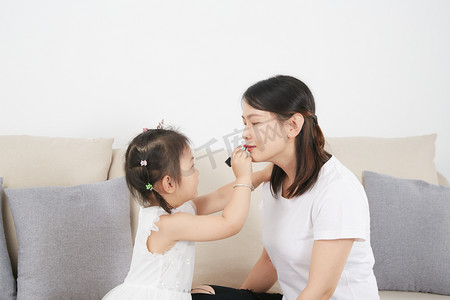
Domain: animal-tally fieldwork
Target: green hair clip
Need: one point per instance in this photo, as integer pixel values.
(149, 186)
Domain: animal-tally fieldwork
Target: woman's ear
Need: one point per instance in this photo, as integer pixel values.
(168, 185)
(295, 125)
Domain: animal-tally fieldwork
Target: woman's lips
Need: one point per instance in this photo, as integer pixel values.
(249, 148)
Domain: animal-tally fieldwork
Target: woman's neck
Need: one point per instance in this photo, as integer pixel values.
(287, 161)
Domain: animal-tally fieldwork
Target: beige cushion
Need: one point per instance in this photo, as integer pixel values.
(27, 161)
(228, 262)
(409, 157)
(118, 159)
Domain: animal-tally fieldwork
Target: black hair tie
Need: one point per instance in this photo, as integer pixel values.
(314, 117)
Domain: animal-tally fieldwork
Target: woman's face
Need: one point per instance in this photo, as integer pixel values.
(265, 136)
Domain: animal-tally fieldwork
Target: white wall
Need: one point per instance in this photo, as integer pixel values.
(108, 68)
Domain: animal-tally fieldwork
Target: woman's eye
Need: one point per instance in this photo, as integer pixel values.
(255, 123)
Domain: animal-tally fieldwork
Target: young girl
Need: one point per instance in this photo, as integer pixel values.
(160, 173)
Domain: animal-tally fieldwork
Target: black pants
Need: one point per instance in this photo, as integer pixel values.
(230, 293)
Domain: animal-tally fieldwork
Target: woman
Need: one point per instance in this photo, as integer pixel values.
(316, 231)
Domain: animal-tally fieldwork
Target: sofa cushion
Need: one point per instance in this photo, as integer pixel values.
(117, 163)
(410, 222)
(7, 282)
(74, 242)
(29, 161)
(400, 295)
(409, 157)
(24, 161)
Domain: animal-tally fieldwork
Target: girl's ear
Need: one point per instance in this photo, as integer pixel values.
(295, 125)
(168, 185)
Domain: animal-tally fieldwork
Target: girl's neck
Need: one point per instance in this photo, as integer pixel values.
(173, 199)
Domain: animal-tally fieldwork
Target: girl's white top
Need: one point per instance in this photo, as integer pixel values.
(158, 276)
(335, 208)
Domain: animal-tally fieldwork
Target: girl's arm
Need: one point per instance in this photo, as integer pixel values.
(183, 226)
(216, 201)
(327, 263)
(263, 275)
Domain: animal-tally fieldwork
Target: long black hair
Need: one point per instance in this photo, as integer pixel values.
(284, 96)
(152, 155)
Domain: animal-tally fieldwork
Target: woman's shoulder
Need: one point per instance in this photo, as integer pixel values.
(334, 174)
(338, 182)
(333, 178)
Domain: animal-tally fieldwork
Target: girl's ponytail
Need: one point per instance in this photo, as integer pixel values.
(162, 202)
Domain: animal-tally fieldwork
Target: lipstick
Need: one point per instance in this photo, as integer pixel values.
(228, 161)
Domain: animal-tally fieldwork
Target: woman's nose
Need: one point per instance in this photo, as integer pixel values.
(246, 134)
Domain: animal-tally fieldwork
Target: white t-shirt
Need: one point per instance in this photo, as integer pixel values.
(335, 208)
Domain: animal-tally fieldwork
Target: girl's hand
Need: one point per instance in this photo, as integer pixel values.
(241, 163)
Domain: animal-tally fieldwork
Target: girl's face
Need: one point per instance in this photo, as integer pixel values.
(265, 136)
(189, 177)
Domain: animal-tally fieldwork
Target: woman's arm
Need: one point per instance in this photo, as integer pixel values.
(327, 263)
(216, 201)
(263, 275)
